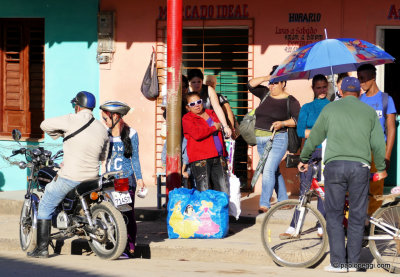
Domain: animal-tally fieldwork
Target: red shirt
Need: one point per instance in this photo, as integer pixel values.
(200, 141)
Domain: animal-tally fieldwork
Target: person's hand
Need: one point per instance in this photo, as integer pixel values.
(140, 184)
(381, 175)
(276, 125)
(218, 126)
(302, 167)
(234, 134)
(185, 174)
(387, 162)
(227, 131)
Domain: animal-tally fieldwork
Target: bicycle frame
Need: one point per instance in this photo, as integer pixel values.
(305, 199)
(386, 227)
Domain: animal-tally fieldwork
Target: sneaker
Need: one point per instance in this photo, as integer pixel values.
(330, 268)
(352, 269)
(320, 232)
(124, 256)
(288, 233)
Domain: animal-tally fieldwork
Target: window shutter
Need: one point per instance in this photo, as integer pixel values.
(13, 90)
(22, 76)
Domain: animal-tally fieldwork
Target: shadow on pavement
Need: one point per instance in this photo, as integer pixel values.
(13, 267)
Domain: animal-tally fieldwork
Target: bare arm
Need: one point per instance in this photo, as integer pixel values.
(218, 110)
(307, 133)
(259, 80)
(231, 117)
(286, 123)
(391, 134)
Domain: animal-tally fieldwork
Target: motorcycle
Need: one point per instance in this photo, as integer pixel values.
(91, 210)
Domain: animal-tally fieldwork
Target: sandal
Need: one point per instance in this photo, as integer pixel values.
(263, 209)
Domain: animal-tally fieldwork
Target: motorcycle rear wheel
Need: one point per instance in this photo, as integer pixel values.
(27, 228)
(115, 235)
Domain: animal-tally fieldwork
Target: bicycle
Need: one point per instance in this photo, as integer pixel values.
(305, 248)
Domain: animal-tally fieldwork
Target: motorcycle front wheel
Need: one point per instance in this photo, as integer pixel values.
(111, 231)
(27, 228)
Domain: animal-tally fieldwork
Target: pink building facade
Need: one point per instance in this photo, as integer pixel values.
(267, 32)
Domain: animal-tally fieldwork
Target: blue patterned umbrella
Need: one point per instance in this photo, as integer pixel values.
(329, 56)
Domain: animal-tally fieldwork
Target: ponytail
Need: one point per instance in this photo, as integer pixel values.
(126, 140)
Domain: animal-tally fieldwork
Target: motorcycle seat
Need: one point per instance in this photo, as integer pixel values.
(86, 186)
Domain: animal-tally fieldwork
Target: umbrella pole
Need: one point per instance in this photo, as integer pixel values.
(332, 76)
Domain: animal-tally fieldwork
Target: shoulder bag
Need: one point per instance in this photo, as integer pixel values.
(247, 126)
(149, 86)
(294, 142)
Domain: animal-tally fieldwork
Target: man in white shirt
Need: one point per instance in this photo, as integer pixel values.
(83, 152)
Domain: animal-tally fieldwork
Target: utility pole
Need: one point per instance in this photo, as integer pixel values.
(174, 94)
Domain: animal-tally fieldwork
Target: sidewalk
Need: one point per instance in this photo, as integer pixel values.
(152, 240)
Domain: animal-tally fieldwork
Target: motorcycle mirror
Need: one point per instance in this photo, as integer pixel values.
(16, 134)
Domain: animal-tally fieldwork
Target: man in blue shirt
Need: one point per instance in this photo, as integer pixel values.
(386, 111)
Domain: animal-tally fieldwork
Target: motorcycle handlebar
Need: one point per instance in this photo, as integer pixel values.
(19, 151)
(57, 155)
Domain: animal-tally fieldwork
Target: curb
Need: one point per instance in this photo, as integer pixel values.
(10, 207)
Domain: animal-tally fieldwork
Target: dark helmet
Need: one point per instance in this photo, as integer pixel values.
(84, 99)
(115, 107)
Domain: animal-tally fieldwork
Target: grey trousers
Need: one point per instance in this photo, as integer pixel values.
(211, 174)
(340, 177)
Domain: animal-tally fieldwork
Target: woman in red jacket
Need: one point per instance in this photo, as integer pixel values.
(205, 145)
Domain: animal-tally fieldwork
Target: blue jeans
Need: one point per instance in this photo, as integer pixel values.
(54, 193)
(271, 176)
(342, 176)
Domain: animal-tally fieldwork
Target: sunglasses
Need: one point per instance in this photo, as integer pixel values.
(196, 103)
(73, 105)
(274, 83)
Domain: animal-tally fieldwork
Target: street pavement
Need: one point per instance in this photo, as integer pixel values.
(242, 247)
(16, 264)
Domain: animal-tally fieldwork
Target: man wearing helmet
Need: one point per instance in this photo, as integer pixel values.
(124, 155)
(82, 152)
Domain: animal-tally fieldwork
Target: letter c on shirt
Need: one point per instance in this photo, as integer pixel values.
(118, 164)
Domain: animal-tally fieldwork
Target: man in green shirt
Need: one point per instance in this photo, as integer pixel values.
(352, 130)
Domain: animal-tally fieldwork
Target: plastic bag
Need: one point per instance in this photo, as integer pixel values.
(234, 196)
(195, 214)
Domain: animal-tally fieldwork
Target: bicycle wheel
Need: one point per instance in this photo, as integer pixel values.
(304, 250)
(383, 246)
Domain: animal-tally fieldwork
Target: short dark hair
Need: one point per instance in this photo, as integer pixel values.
(318, 77)
(341, 76)
(367, 67)
(273, 69)
(272, 72)
(195, 73)
(190, 94)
